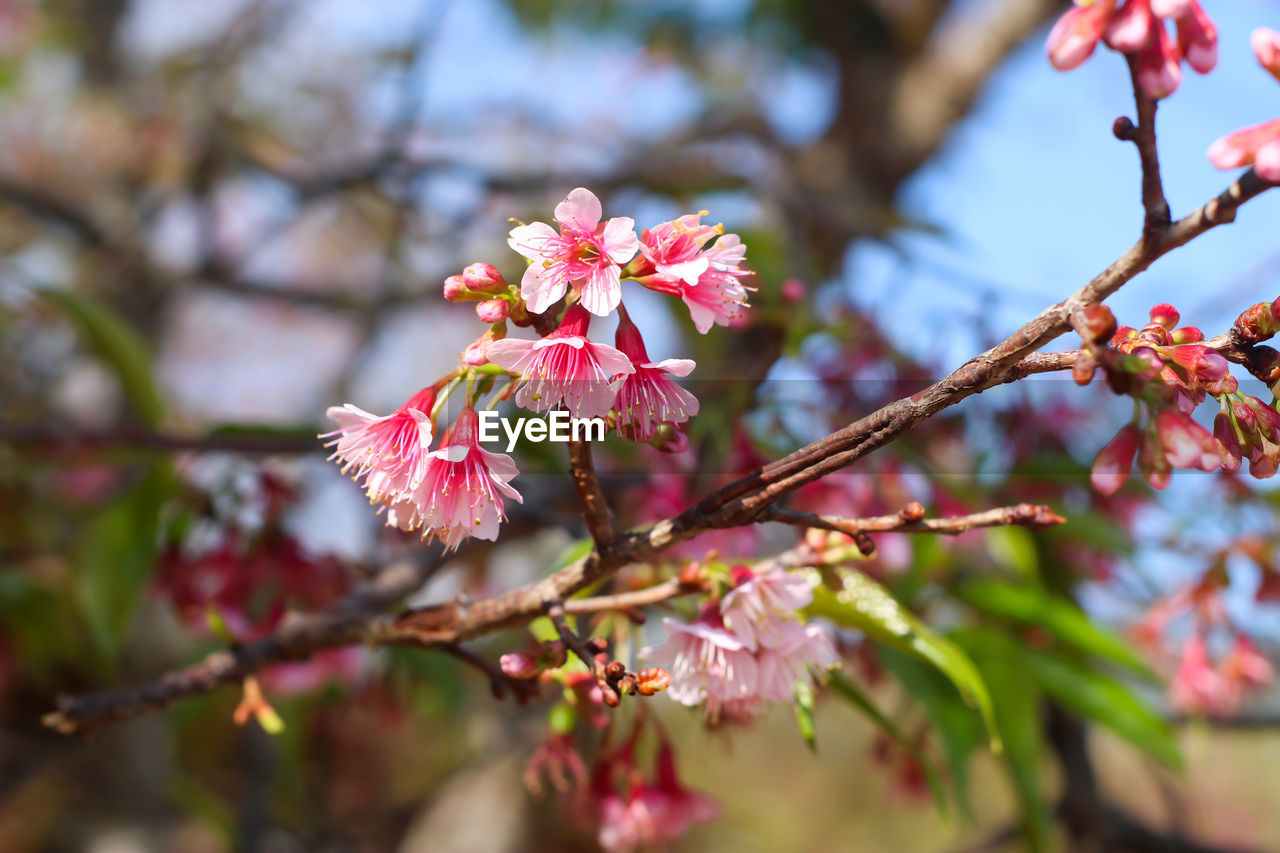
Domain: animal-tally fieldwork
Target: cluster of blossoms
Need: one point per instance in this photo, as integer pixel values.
(1257, 146)
(748, 648)
(1169, 372)
(1199, 685)
(459, 489)
(1139, 28)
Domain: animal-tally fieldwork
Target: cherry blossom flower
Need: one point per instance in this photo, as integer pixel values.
(674, 249)
(673, 807)
(585, 255)
(386, 453)
(717, 296)
(564, 367)
(1138, 28)
(1114, 461)
(1257, 146)
(462, 488)
(647, 397)
(1244, 666)
(760, 608)
(708, 663)
(559, 761)
(1197, 687)
(801, 652)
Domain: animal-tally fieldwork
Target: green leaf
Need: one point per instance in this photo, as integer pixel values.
(1105, 701)
(1017, 711)
(1035, 606)
(804, 714)
(854, 695)
(116, 343)
(116, 554)
(958, 725)
(864, 604)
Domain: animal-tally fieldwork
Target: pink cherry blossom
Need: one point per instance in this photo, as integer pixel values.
(1259, 145)
(673, 807)
(801, 651)
(1197, 688)
(760, 608)
(647, 397)
(1138, 28)
(708, 663)
(564, 367)
(674, 249)
(716, 296)
(1185, 443)
(462, 489)
(585, 255)
(387, 454)
(1245, 667)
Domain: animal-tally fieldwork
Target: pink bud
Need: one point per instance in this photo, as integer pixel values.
(1130, 29)
(493, 310)
(1165, 316)
(1074, 37)
(484, 278)
(1111, 465)
(555, 654)
(670, 439)
(1185, 443)
(1198, 38)
(1170, 8)
(519, 665)
(1228, 444)
(1186, 335)
(477, 352)
(1266, 46)
(793, 290)
(1159, 65)
(456, 290)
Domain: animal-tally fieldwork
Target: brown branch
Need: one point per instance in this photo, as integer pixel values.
(1036, 517)
(1143, 136)
(623, 601)
(737, 503)
(499, 681)
(595, 509)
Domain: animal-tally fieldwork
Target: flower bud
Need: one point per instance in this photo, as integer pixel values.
(493, 310)
(1111, 465)
(1228, 444)
(555, 654)
(1256, 323)
(912, 512)
(670, 439)
(651, 680)
(484, 278)
(1084, 368)
(793, 290)
(477, 352)
(1266, 46)
(519, 665)
(1098, 323)
(1165, 315)
(520, 315)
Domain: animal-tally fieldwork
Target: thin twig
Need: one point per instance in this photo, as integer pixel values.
(1036, 517)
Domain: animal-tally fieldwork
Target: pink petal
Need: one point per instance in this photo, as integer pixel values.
(510, 353)
(1266, 46)
(1267, 161)
(540, 290)
(579, 210)
(674, 366)
(536, 241)
(611, 361)
(1238, 149)
(603, 290)
(619, 239)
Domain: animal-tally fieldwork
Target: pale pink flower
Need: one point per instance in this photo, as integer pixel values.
(717, 296)
(626, 824)
(1077, 33)
(1196, 687)
(1266, 46)
(710, 664)
(1138, 28)
(647, 397)
(564, 367)
(585, 254)
(673, 807)
(462, 489)
(801, 653)
(386, 454)
(558, 760)
(761, 608)
(1112, 464)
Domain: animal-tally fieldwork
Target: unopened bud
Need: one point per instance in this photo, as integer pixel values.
(864, 543)
(1084, 368)
(477, 352)
(1165, 315)
(555, 654)
(793, 290)
(1257, 323)
(651, 680)
(519, 665)
(670, 439)
(520, 315)
(912, 512)
(1097, 324)
(614, 670)
(456, 290)
(1186, 335)
(484, 278)
(493, 310)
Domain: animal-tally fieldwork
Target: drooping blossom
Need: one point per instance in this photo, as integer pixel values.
(585, 254)
(673, 807)
(462, 489)
(386, 454)
(1139, 28)
(709, 663)
(564, 367)
(1197, 688)
(761, 607)
(801, 651)
(1114, 461)
(674, 249)
(559, 762)
(1257, 146)
(647, 397)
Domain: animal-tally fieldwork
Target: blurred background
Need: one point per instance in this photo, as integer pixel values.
(219, 218)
